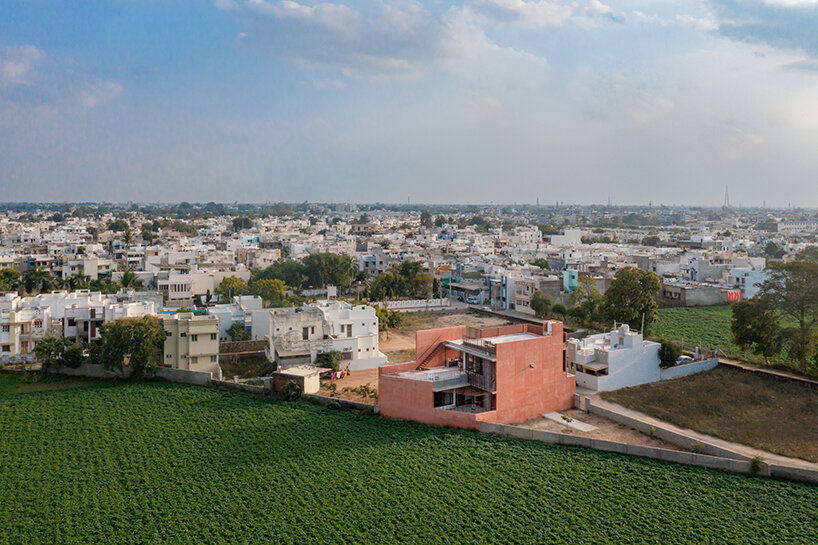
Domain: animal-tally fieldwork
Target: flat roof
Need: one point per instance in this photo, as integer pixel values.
(510, 338)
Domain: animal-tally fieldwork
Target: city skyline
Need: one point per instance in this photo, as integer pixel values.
(496, 100)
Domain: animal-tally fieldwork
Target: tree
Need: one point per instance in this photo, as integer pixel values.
(426, 219)
(404, 280)
(586, 299)
(632, 296)
(292, 391)
(755, 327)
(118, 225)
(329, 360)
(139, 340)
(48, 351)
(237, 332)
(540, 303)
(292, 273)
(130, 280)
(542, 263)
(668, 354)
(72, 355)
(127, 240)
(651, 240)
(440, 221)
(9, 279)
(232, 286)
(39, 281)
(792, 289)
(327, 269)
(273, 290)
(388, 318)
(559, 308)
(242, 223)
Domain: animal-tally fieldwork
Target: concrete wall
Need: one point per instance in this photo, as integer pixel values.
(260, 390)
(552, 438)
(418, 304)
(671, 436)
(91, 370)
(688, 369)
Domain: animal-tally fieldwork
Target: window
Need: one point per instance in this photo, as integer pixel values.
(6, 349)
(183, 334)
(194, 359)
(305, 333)
(38, 323)
(71, 322)
(213, 359)
(5, 329)
(168, 334)
(213, 336)
(194, 338)
(169, 356)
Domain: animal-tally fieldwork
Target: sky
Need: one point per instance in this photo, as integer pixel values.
(485, 101)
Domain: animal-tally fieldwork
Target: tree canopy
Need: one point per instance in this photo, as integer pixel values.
(137, 339)
(631, 296)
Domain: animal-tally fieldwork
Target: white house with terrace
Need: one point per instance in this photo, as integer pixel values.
(297, 335)
(622, 358)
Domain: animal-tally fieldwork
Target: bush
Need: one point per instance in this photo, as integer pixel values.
(329, 360)
(668, 354)
(292, 391)
(71, 357)
(756, 464)
(334, 406)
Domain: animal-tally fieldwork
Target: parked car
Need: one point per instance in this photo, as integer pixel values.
(683, 359)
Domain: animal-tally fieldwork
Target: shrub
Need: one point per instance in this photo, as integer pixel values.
(329, 360)
(756, 464)
(71, 357)
(697, 447)
(292, 391)
(668, 354)
(334, 406)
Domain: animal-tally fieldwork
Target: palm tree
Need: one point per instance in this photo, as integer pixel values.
(130, 280)
(39, 281)
(127, 240)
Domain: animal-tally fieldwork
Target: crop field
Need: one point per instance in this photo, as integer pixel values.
(160, 463)
(703, 326)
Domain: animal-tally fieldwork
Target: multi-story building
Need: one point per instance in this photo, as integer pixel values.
(192, 342)
(622, 358)
(297, 335)
(21, 330)
(464, 376)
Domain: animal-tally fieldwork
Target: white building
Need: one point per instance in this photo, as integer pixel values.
(21, 330)
(297, 335)
(609, 361)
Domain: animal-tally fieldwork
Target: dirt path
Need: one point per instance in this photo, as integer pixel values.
(353, 380)
(606, 429)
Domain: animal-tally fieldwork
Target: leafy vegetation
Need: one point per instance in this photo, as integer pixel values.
(163, 463)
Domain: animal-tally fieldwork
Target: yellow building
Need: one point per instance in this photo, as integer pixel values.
(191, 342)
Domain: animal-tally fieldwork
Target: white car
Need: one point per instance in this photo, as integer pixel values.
(683, 359)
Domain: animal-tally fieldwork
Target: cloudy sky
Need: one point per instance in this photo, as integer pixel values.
(350, 100)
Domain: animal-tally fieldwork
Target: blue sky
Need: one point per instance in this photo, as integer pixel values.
(482, 101)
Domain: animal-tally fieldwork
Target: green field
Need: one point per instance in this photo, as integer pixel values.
(161, 463)
(699, 326)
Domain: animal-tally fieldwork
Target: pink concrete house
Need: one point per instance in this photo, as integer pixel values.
(465, 375)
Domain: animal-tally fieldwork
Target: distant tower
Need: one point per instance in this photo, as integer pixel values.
(609, 200)
(726, 198)
(538, 203)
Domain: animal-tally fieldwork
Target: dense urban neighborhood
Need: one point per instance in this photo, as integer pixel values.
(637, 334)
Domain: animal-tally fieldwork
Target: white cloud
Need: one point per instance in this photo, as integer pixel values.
(98, 92)
(703, 24)
(30, 79)
(16, 64)
(534, 13)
